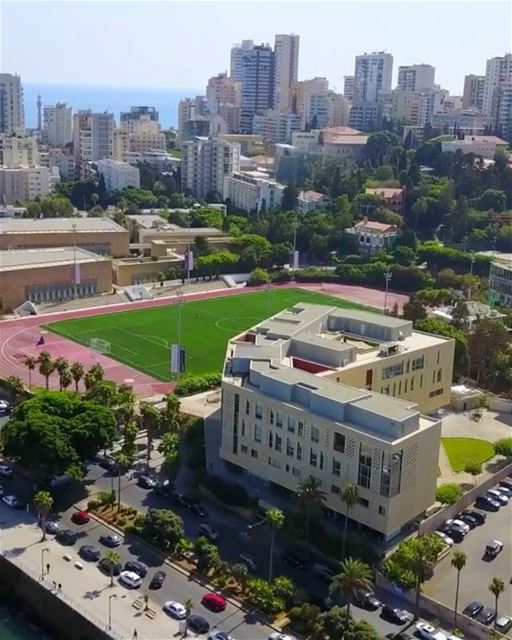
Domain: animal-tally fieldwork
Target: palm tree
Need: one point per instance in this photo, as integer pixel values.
(421, 562)
(43, 502)
(65, 378)
(95, 374)
(458, 562)
(46, 366)
(77, 373)
(355, 575)
(497, 587)
(122, 463)
(113, 559)
(62, 367)
(150, 421)
(349, 495)
(275, 518)
(30, 362)
(171, 413)
(311, 497)
(240, 573)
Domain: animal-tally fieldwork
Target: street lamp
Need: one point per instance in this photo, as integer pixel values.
(73, 226)
(269, 290)
(43, 551)
(387, 278)
(294, 245)
(179, 297)
(110, 610)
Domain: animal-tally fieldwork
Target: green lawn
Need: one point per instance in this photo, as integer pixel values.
(460, 451)
(141, 338)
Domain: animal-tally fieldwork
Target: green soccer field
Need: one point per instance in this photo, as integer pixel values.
(141, 338)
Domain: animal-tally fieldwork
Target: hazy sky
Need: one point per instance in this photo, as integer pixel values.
(181, 44)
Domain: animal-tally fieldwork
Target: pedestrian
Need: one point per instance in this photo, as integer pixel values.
(135, 634)
(48, 568)
(59, 587)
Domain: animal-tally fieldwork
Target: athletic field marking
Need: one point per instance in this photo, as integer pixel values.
(240, 322)
(153, 338)
(118, 346)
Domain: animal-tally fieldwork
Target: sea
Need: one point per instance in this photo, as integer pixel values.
(14, 625)
(104, 98)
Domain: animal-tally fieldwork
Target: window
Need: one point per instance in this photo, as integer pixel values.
(279, 419)
(391, 474)
(236, 410)
(315, 434)
(365, 466)
(270, 439)
(274, 463)
(335, 489)
(296, 472)
(247, 407)
(439, 375)
(437, 392)
(254, 453)
(257, 433)
(321, 460)
(279, 443)
(339, 442)
(271, 416)
(291, 424)
(299, 452)
(392, 371)
(418, 363)
(258, 411)
(421, 381)
(382, 511)
(336, 467)
(243, 449)
(363, 502)
(300, 430)
(405, 386)
(313, 458)
(438, 357)
(290, 450)
(243, 427)
(412, 383)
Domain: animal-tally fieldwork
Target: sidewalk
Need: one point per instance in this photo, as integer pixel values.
(84, 588)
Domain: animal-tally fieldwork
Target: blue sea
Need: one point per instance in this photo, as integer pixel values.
(14, 626)
(101, 98)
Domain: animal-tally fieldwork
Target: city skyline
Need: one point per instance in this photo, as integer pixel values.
(329, 51)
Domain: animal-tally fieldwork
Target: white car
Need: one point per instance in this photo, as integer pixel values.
(428, 632)
(460, 524)
(5, 471)
(4, 405)
(175, 609)
(11, 501)
(280, 636)
(500, 497)
(446, 539)
(130, 579)
(217, 634)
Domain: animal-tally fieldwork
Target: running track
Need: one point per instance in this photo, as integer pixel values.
(18, 336)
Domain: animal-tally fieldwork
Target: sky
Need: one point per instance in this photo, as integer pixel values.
(181, 44)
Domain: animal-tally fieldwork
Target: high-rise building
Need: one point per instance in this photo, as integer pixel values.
(301, 91)
(502, 111)
(223, 98)
(58, 124)
(372, 76)
(348, 87)
(473, 95)
(93, 136)
(19, 150)
(326, 110)
(253, 66)
(140, 113)
(188, 109)
(205, 162)
(276, 127)
(498, 71)
(26, 183)
(118, 175)
(416, 77)
(286, 51)
(12, 115)
(39, 113)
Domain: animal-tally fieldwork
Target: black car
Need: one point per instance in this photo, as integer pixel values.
(180, 501)
(473, 609)
(110, 540)
(51, 527)
(107, 463)
(399, 636)
(146, 482)
(469, 520)
(106, 566)
(486, 616)
(198, 624)
(292, 560)
(366, 600)
(454, 533)
(66, 536)
(137, 567)
(506, 484)
(89, 553)
(487, 503)
(479, 516)
(199, 510)
(164, 489)
(157, 580)
(391, 614)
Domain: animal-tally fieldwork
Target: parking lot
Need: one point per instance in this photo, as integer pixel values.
(479, 571)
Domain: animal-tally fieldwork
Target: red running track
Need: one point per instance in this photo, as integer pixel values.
(18, 336)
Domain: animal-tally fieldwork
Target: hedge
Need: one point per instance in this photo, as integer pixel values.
(196, 384)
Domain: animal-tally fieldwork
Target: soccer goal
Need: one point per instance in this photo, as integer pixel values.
(97, 344)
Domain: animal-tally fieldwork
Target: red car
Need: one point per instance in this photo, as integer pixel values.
(80, 517)
(214, 602)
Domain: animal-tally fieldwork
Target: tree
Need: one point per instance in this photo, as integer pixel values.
(290, 198)
(414, 310)
(103, 392)
(77, 373)
(355, 576)
(62, 367)
(380, 145)
(43, 502)
(310, 497)
(448, 493)
(122, 463)
(163, 527)
(30, 363)
(305, 619)
(16, 385)
(497, 587)
(129, 447)
(112, 557)
(171, 413)
(150, 417)
(259, 276)
(503, 447)
(95, 374)
(275, 518)
(240, 573)
(264, 597)
(46, 367)
(474, 469)
(489, 336)
(208, 554)
(458, 562)
(201, 245)
(349, 496)
(168, 447)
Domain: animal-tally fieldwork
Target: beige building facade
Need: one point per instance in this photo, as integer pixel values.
(130, 271)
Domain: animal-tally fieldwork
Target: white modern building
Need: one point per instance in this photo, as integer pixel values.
(118, 175)
(416, 77)
(58, 124)
(65, 163)
(484, 146)
(372, 76)
(286, 51)
(93, 136)
(473, 94)
(188, 109)
(301, 91)
(500, 282)
(348, 87)
(498, 71)
(205, 163)
(12, 114)
(253, 191)
(18, 150)
(276, 126)
(26, 183)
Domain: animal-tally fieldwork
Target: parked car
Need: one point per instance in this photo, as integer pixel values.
(107, 463)
(110, 540)
(80, 517)
(497, 495)
(479, 516)
(157, 580)
(51, 527)
(106, 566)
(133, 566)
(323, 571)
(445, 538)
(503, 624)
(508, 485)
(392, 614)
(180, 501)
(198, 624)
(66, 536)
(469, 520)
(146, 482)
(12, 501)
(5, 471)
(399, 636)
(208, 532)
(487, 502)
(130, 579)
(5, 407)
(366, 600)
(164, 489)
(249, 562)
(292, 560)
(457, 524)
(486, 616)
(453, 533)
(504, 490)
(424, 630)
(279, 636)
(199, 510)
(175, 609)
(493, 548)
(89, 553)
(473, 609)
(217, 634)
(214, 601)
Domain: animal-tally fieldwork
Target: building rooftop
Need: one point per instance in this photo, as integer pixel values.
(312, 196)
(150, 221)
(14, 260)
(385, 192)
(372, 225)
(59, 225)
(351, 140)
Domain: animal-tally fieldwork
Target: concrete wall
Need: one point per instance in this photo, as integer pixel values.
(54, 612)
(432, 523)
(115, 243)
(135, 271)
